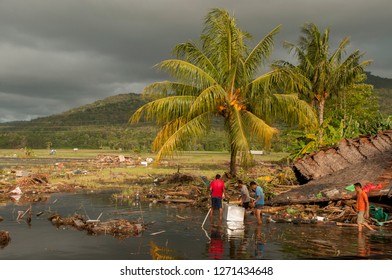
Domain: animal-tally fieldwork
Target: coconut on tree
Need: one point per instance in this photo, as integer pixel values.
(219, 77)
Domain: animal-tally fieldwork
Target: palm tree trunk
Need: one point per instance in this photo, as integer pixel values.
(233, 161)
(321, 117)
(321, 110)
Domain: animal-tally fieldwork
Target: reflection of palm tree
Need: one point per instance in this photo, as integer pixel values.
(218, 78)
(161, 253)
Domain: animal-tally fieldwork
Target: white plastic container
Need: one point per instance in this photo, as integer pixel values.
(235, 229)
(233, 213)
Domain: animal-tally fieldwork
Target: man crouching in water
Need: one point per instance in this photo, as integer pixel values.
(362, 207)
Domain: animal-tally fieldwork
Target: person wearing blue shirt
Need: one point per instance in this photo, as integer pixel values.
(258, 202)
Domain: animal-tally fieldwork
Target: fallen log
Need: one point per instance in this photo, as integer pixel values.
(346, 224)
(275, 209)
(177, 193)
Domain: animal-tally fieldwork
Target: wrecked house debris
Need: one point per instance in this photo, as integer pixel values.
(327, 173)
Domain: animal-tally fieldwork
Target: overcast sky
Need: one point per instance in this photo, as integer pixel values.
(59, 54)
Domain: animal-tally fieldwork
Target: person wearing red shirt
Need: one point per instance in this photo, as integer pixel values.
(217, 188)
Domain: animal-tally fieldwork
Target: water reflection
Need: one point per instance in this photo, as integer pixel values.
(216, 244)
(180, 234)
(363, 245)
(259, 243)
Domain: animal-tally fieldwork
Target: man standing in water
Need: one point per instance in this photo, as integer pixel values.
(217, 188)
(362, 207)
(259, 200)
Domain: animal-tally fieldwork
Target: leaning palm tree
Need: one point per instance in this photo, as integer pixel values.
(218, 78)
(326, 72)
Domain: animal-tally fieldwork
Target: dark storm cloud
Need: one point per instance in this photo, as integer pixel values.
(55, 55)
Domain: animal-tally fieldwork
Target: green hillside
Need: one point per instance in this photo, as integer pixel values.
(104, 124)
(383, 87)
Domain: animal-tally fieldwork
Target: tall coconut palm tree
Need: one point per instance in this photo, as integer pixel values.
(326, 72)
(218, 78)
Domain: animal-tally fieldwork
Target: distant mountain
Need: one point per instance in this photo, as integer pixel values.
(384, 88)
(101, 124)
(378, 82)
(111, 110)
(104, 123)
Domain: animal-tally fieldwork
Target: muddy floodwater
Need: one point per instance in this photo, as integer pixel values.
(175, 232)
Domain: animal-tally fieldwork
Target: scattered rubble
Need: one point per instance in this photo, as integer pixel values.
(121, 159)
(337, 213)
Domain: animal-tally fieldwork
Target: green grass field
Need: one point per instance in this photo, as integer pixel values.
(193, 163)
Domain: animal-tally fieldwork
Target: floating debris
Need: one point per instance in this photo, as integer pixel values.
(159, 232)
(119, 228)
(4, 238)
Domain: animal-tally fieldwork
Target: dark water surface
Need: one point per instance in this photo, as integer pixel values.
(174, 232)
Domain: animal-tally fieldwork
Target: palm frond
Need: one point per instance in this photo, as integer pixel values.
(239, 137)
(223, 42)
(208, 100)
(163, 110)
(259, 129)
(280, 77)
(167, 131)
(192, 54)
(261, 52)
(187, 73)
(169, 88)
(337, 54)
(184, 133)
(291, 109)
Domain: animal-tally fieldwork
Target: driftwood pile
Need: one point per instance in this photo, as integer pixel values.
(119, 228)
(337, 213)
